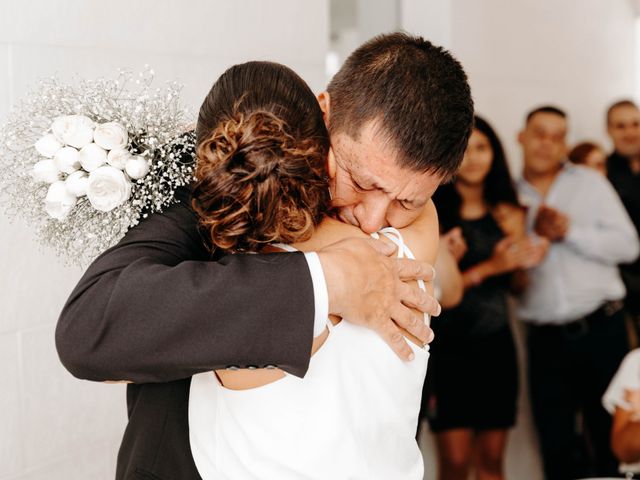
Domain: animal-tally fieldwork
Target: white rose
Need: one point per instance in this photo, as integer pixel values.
(74, 130)
(76, 183)
(45, 171)
(92, 156)
(59, 202)
(48, 145)
(67, 160)
(137, 167)
(118, 157)
(108, 187)
(111, 135)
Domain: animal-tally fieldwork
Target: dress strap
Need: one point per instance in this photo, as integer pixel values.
(403, 251)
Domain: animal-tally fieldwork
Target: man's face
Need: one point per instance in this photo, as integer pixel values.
(624, 129)
(370, 190)
(543, 143)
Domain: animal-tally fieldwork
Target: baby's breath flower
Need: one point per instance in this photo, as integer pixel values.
(155, 132)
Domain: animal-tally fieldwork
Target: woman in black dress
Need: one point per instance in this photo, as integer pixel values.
(472, 383)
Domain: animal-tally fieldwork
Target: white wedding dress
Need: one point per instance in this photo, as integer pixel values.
(353, 416)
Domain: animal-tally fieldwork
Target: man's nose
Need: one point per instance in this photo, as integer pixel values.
(547, 141)
(373, 216)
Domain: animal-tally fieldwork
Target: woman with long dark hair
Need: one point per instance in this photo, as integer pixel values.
(471, 388)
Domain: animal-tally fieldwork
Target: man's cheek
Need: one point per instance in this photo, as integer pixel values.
(343, 197)
(346, 215)
(400, 218)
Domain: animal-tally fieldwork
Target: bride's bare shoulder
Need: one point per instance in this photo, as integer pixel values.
(329, 231)
(422, 236)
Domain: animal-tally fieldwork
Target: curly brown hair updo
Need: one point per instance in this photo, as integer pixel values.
(261, 159)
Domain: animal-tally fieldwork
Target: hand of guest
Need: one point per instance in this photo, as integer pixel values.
(367, 288)
(455, 243)
(561, 226)
(510, 254)
(511, 218)
(543, 224)
(551, 224)
(535, 249)
(632, 397)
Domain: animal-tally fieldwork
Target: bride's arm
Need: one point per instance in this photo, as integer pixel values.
(423, 237)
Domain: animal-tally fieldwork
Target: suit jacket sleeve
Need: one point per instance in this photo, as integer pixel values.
(154, 308)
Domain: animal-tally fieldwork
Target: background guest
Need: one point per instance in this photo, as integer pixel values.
(623, 126)
(622, 400)
(590, 155)
(472, 381)
(576, 334)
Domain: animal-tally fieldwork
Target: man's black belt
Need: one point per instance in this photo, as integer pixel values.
(581, 326)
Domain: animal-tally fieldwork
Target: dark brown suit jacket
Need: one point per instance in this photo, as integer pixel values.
(158, 308)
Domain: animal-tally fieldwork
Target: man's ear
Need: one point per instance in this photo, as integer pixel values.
(331, 164)
(521, 137)
(324, 99)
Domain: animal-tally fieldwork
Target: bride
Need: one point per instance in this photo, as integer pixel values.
(263, 184)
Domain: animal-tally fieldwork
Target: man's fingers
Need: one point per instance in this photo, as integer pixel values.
(413, 270)
(392, 335)
(381, 247)
(412, 323)
(413, 297)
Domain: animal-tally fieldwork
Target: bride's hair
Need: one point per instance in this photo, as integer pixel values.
(261, 159)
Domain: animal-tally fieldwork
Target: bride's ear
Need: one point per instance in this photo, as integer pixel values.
(331, 164)
(324, 99)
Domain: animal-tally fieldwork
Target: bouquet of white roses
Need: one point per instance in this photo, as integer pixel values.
(84, 163)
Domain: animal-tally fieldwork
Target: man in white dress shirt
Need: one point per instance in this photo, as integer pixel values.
(576, 335)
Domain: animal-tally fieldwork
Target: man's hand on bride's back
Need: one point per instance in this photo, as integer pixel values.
(366, 287)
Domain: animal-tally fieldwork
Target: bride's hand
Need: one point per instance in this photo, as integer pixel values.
(366, 287)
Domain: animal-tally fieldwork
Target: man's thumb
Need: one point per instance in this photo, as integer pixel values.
(381, 247)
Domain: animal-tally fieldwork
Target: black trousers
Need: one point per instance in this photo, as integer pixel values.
(570, 367)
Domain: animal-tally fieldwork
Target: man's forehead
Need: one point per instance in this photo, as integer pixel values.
(367, 154)
(403, 183)
(547, 120)
(373, 159)
(624, 113)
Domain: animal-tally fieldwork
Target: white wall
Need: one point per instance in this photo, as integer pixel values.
(578, 54)
(432, 19)
(53, 426)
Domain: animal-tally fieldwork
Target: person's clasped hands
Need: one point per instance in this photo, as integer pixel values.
(511, 253)
(455, 243)
(551, 224)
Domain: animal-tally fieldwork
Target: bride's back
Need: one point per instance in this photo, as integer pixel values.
(353, 415)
